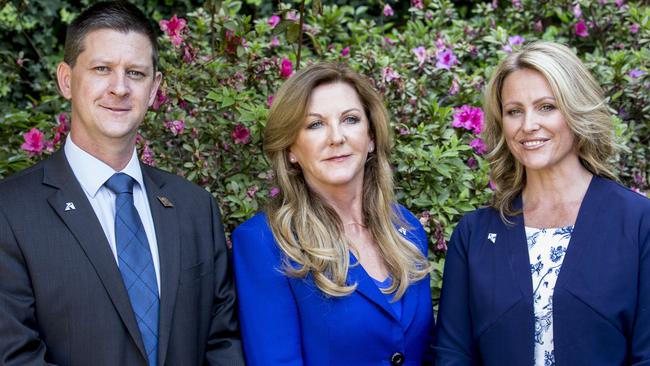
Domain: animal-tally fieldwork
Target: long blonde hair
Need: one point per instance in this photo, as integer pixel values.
(580, 100)
(307, 229)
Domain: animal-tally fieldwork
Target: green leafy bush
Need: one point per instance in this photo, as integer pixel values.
(430, 63)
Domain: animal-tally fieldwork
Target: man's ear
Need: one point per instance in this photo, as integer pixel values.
(156, 84)
(64, 79)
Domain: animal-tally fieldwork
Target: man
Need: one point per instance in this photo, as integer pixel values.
(103, 260)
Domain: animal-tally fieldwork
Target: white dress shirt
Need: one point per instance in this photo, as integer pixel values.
(92, 173)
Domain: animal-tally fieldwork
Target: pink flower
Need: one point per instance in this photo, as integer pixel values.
(286, 69)
(417, 4)
(618, 3)
(478, 145)
(273, 21)
(517, 4)
(421, 55)
(388, 11)
(250, 192)
(176, 127)
(274, 191)
(292, 15)
(269, 101)
(472, 163)
(34, 142)
(345, 51)
(580, 29)
(446, 59)
(161, 98)
(189, 54)
(512, 42)
(577, 11)
(173, 29)
(636, 73)
(64, 123)
(539, 26)
(634, 27)
(454, 89)
(241, 134)
(469, 118)
(275, 42)
(491, 185)
(388, 74)
(147, 155)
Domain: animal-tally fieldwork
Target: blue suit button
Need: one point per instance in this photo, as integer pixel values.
(397, 359)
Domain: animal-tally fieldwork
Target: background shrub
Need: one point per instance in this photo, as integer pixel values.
(222, 62)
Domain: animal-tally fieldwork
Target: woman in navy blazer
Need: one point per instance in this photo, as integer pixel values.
(334, 272)
(557, 270)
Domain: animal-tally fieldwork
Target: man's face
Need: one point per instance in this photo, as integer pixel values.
(111, 86)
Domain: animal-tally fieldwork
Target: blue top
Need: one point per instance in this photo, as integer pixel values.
(601, 300)
(289, 321)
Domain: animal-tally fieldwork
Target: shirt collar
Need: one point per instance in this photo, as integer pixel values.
(92, 173)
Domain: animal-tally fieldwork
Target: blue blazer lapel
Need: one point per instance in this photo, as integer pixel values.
(367, 287)
(85, 226)
(591, 205)
(168, 238)
(519, 261)
(410, 304)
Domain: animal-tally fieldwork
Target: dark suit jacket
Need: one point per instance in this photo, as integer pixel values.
(601, 301)
(289, 321)
(62, 299)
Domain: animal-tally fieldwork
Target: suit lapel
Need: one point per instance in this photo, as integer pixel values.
(85, 226)
(518, 248)
(584, 225)
(165, 220)
(367, 287)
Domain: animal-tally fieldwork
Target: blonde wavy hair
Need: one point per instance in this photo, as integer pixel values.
(581, 102)
(307, 229)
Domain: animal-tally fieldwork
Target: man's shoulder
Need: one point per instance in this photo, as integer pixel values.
(173, 182)
(24, 180)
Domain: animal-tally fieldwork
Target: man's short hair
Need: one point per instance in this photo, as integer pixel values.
(118, 15)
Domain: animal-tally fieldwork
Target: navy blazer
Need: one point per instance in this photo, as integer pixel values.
(289, 321)
(62, 297)
(601, 301)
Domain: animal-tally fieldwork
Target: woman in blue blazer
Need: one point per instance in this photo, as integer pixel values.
(557, 270)
(333, 272)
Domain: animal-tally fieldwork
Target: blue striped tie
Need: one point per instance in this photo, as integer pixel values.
(135, 263)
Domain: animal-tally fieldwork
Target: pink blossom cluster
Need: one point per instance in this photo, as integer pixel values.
(388, 74)
(513, 42)
(241, 134)
(35, 142)
(286, 68)
(174, 29)
(469, 118)
(176, 127)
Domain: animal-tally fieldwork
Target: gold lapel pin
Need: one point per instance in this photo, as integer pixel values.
(165, 201)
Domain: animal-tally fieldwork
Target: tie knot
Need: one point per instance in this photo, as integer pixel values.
(120, 183)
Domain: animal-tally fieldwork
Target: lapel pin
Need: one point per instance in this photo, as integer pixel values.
(69, 206)
(492, 237)
(165, 201)
(402, 230)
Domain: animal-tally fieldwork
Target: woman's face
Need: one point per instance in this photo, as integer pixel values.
(334, 141)
(534, 128)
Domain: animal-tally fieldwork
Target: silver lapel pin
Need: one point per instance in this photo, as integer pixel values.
(69, 206)
(492, 237)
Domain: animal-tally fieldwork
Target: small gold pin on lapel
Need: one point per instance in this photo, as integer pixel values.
(165, 201)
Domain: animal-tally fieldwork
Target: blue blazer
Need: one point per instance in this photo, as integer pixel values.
(289, 321)
(601, 301)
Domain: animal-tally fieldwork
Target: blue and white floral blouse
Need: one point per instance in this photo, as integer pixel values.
(546, 249)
